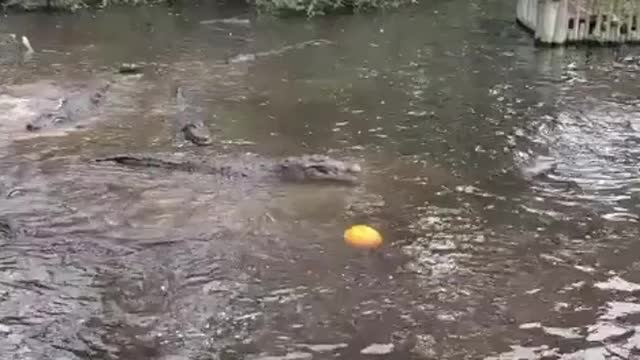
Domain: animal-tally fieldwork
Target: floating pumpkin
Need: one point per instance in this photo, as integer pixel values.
(362, 236)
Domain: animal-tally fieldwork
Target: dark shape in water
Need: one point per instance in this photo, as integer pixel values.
(227, 21)
(7, 228)
(130, 69)
(71, 110)
(305, 168)
(540, 167)
(48, 119)
(197, 133)
(193, 130)
(543, 169)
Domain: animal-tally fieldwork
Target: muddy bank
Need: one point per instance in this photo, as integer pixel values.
(73, 5)
(281, 9)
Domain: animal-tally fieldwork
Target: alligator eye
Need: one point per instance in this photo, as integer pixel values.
(322, 169)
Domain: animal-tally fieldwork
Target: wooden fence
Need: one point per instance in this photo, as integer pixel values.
(556, 22)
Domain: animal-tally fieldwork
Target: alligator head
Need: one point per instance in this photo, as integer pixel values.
(47, 119)
(71, 109)
(318, 168)
(197, 133)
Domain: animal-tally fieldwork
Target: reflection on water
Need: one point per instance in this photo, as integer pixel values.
(502, 176)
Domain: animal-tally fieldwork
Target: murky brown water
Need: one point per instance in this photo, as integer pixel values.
(448, 107)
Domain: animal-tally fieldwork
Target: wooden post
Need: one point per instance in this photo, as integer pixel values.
(520, 10)
(533, 13)
(636, 14)
(561, 27)
(526, 13)
(546, 24)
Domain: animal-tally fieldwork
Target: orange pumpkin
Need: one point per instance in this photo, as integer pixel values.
(363, 237)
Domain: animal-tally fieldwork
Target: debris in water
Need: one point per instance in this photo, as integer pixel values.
(466, 189)
(446, 317)
(575, 285)
(567, 333)
(251, 316)
(129, 69)
(231, 21)
(560, 305)
(324, 347)
(551, 258)
(587, 269)
(620, 216)
(377, 349)
(424, 346)
(522, 352)
(594, 353)
(289, 356)
(417, 113)
(238, 142)
(242, 58)
(442, 246)
(530, 326)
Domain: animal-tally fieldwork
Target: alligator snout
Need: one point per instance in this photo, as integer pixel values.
(48, 119)
(319, 167)
(33, 127)
(197, 133)
(354, 168)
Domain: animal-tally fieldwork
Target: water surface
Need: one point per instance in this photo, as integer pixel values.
(502, 176)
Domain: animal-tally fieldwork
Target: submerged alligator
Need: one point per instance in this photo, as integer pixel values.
(71, 109)
(306, 168)
(192, 129)
(8, 229)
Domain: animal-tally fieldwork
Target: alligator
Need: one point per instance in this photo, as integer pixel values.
(8, 229)
(70, 109)
(306, 168)
(241, 58)
(197, 133)
(544, 168)
(192, 129)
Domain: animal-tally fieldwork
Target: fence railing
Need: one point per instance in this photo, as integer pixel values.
(575, 21)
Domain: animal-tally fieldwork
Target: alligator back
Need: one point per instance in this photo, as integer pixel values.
(313, 168)
(169, 163)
